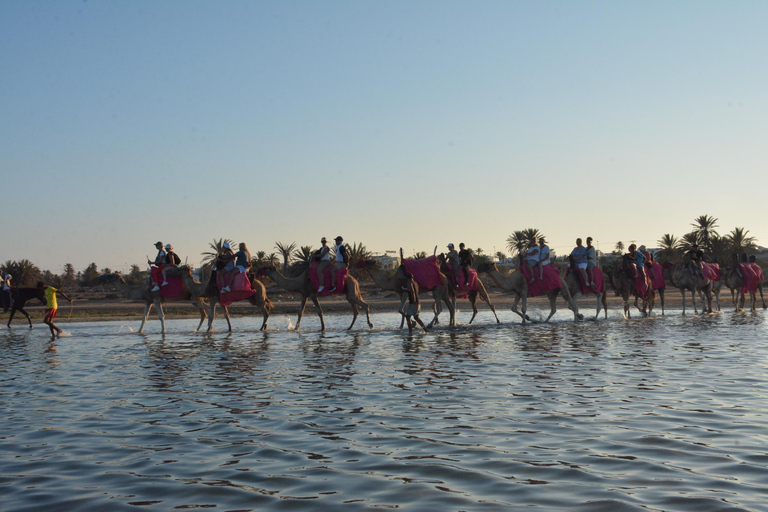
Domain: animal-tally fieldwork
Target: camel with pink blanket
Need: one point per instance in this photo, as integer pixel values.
(471, 291)
(518, 284)
(577, 288)
(304, 287)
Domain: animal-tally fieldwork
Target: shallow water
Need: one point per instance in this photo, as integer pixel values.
(618, 415)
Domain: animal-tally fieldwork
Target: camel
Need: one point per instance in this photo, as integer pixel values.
(472, 294)
(516, 283)
(211, 292)
(574, 287)
(303, 286)
(687, 280)
(150, 298)
(387, 283)
(625, 286)
(734, 283)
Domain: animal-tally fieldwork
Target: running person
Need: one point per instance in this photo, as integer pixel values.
(51, 306)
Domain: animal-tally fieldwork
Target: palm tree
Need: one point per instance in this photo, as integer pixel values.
(739, 242)
(718, 249)
(27, 273)
(357, 253)
(420, 255)
(68, 277)
(303, 257)
(704, 228)
(501, 256)
(670, 247)
(519, 241)
(688, 240)
(259, 260)
(209, 257)
(272, 259)
(285, 250)
(619, 248)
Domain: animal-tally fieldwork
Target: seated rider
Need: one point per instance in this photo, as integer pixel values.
(158, 264)
(6, 293)
(465, 260)
(634, 260)
(693, 258)
(342, 260)
(225, 262)
(591, 262)
(579, 254)
(242, 264)
(533, 259)
(543, 256)
(171, 259)
(452, 258)
(648, 260)
(323, 255)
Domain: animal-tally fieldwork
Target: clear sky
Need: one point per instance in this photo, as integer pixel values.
(393, 123)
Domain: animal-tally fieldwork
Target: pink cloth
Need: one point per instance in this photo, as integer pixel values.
(461, 291)
(753, 276)
(341, 277)
(641, 282)
(425, 272)
(174, 288)
(711, 271)
(551, 280)
(241, 288)
(658, 273)
(599, 278)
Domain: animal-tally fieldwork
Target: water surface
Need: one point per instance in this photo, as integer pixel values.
(646, 414)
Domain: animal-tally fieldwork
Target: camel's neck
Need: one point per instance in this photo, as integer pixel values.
(381, 280)
(294, 284)
(129, 291)
(192, 284)
(505, 283)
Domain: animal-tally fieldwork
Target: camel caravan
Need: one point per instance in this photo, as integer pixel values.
(231, 276)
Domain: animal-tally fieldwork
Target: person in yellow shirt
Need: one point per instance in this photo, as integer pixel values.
(52, 306)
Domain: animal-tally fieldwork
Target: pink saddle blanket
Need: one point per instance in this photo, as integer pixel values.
(537, 287)
(599, 278)
(711, 271)
(656, 274)
(425, 272)
(753, 276)
(461, 290)
(341, 278)
(239, 289)
(174, 288)
(641, 282)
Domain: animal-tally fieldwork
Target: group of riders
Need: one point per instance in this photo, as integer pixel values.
(229, 262)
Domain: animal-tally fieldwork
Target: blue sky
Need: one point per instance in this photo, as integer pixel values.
(395, 124)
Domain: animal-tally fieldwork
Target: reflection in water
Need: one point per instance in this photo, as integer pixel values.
(666, 413)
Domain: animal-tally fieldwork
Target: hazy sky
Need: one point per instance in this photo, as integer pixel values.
(393, 123)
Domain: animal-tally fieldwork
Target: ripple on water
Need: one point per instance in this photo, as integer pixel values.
(642, 414)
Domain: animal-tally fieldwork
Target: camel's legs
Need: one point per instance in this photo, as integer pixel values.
(661, 298)
(301, 310)
(760, 288)
(487, 299)
(161, 314)
(265, 316)
(403, 298)
(201, 307)
(354, 315)
(552, 306)
(147, 309)
(473, 303)
(319, 312)
(437, 307)
(514, 308)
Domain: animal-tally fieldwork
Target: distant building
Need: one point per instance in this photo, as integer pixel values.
(387, 262)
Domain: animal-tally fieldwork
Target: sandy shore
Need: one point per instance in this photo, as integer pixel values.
(96, 308)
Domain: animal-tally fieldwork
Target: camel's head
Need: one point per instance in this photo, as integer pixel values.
(486, 266)
(186, 269)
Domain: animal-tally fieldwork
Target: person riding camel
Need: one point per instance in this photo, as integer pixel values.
(171, 259)
(323, 256)
(157, 264)
(693, 258)
(225, 262)
(452, 258)
(242, 264)
(342, 260)
(579, 254)
(591, 263)
(465, 260)
(533, 259)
